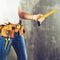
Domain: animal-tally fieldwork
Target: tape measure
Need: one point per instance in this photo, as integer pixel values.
(18, 26)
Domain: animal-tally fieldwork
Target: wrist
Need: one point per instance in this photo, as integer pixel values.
(34, 17)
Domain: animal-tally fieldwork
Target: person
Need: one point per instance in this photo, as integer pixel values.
(11, 11)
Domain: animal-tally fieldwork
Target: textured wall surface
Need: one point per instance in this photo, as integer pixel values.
(43, 43)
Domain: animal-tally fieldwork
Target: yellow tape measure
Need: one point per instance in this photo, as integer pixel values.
(18, 26)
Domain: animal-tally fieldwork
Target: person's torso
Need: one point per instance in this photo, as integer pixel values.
(9, 10)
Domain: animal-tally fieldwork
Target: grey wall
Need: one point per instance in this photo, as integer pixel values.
(43, 43)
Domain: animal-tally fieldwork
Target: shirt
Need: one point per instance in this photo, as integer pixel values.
(9, 10)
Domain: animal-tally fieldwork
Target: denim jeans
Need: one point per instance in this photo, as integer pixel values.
(4, 48)
(18, 44)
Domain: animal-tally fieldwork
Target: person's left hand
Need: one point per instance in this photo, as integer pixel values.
(37, 17)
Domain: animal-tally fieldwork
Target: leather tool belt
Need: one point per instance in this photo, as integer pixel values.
(10, 29)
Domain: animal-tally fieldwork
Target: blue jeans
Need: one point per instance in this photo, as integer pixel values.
(4, 48)
(18, 44)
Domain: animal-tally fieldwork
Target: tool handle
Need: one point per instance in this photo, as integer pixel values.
(45, 16)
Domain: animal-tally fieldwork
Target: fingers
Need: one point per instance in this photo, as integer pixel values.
(38, 16)
(40, 19)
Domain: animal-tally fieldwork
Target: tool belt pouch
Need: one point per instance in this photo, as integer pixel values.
(12, 34)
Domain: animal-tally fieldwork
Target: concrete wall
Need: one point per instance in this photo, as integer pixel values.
(43, 43)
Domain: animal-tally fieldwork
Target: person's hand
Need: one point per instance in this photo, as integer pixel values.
(39, 17)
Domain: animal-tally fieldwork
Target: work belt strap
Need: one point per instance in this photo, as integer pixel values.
(7, 41)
